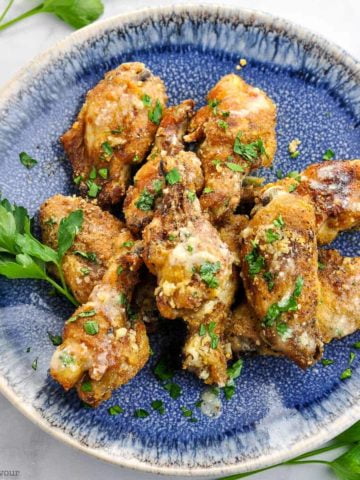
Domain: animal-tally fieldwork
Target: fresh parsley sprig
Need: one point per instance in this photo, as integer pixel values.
(23, 256)
(345, 467)
(77, 13)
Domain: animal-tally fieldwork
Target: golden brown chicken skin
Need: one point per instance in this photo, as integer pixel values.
(230, 232)
(103, 347)
(339, 302)
(85, 263)
(237, 131)
(194, 270)
(114, 129)
(334, 189)
(142, 198)
(280, 274)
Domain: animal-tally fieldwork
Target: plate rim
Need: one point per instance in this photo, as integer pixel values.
(36, 65)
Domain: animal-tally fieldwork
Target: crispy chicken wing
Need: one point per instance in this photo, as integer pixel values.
(194, 269)
(334, 189)
(339, 302)
(87, 260)
(103, 348)
(115, 128)
(280, 273)
(142, 198)
(336, 314)
(237, 130)
(230, 230)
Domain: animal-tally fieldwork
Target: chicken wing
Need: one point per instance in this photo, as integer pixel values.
(280, 274)
(194, 270)
(85, 263)
(103, 346)
(339, 302)
(334, 189)
(237, 130)
(142, 198)
(230, 230)
(114, 129)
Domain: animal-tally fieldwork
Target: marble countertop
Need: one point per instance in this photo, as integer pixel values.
(23, 446)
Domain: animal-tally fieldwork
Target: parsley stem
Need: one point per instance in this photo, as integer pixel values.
(29, 13)
(62, 290)
(7, 8)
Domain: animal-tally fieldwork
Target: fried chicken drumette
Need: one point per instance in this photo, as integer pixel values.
(103, 347)
(142, 198)
(114, 129)
(194, 270)
(237, 131)
(334, 189)
(85, 263)
(280, 274)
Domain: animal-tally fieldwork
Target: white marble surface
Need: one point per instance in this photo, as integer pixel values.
(23, 446)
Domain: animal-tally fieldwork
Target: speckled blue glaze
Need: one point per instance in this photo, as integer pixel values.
(278, 410)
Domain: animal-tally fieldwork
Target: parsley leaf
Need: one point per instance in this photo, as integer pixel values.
(141, 413)
(207, 273)
(271, 236)
(222, 124)
(255, 261)
(249, 151)
(275, 310)
(155, 114)
(55, 339)
(158, 405)
(68, 228)
(173, 176)
(234, 167)
(146, 99)
(145, 201)
(27, 161)
(115, 410)
(328, 155)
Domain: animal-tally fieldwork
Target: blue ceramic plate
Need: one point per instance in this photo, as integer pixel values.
(278, 410)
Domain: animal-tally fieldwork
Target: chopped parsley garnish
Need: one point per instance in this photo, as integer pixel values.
(117, 131)
(326, 361)
(271, 236)
(87, 313)
(293, 187)
(107, 149)
(234, 167)
(198, 404)
(55, 339)
(321, 266)
(85, 270)
(34, 364)
(103, 173)
(66, 359)
(352, 357)
(328, 155)
(173, 176)
(234, 371)
(275, 310)
(157, 185)
(186, 412)
(279, 222)
(92, 174)
(208, 190)
(225, 114)
(86, 386)
(213, 104)
(281, 328)
(158, 405)
(28, 349)
(295, 175)
(128, 244)
(115, 410)
(146, 99)
(279, 174)
(255, 261)
(295, 154)
(145, 201)
(189, 248)
(171, 237)
(120, 269)
(191, 195)
(174, 390)
(162, 371)
(78, 179)
(156, 113)
(27, 161)
(346, 374)
(207, 273)
(91, 256)
(141, 413)
(249, 151)
(269, 279)
(222, 124)
(91, 327)
(209, 329)
(123, 299)
(93, 189)
(136, 158)
(356, 345)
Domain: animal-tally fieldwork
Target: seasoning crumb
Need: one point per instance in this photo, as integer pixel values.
(293, 147)
(238, 67)
(243, 62)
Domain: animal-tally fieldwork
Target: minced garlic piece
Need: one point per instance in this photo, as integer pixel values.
(243, 62)
(293, 147)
